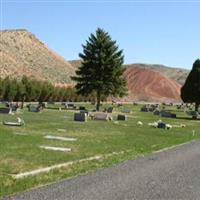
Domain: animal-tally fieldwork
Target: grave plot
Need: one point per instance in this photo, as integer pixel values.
(22, 154)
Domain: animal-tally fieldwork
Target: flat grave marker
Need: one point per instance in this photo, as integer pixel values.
(51, 137)
(55, 148)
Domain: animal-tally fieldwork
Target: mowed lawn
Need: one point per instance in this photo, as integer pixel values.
(122, 140)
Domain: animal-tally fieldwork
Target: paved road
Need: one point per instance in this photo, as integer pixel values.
(173, 174)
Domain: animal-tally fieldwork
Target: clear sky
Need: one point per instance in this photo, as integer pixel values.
(160, 32)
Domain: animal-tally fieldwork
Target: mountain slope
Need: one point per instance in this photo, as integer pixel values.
(149, 85)
(177, 74)
(21, 53)
(151, 82)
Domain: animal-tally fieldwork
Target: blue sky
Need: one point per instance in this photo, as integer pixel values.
(159, 32)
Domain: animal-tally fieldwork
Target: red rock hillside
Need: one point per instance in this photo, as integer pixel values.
(149, 85)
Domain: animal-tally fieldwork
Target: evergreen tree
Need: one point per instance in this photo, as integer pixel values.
(26, 94)
(19, 96)
(101, 70)
(45, 92)
(2, 89)
(10, 89)
(190, 92)
(34, 90)
(60, 94)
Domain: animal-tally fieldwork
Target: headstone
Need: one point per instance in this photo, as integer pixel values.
(144, 109)
(121, 117)
(33, 109)
(193, 114)
(167, 114)
(109, 110)
(151, 109)
(102, 116)
(81, 117)
(161, 125)
(4, 110)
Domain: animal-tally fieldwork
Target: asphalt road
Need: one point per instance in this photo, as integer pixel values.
(172, 174)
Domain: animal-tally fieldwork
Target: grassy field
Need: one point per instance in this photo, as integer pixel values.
(20, 146)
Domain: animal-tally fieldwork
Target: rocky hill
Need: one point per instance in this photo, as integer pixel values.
(21, 53)
(151, 82)
(177, 74)
(150, 85)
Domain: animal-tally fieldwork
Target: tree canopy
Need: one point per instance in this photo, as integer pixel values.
(190, 92)
(28, 89)
(101, 70)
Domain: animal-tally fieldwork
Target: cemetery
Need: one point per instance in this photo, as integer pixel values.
(91, 110)
(42, 145)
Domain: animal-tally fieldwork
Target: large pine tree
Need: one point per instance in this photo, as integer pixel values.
(190, 92)
(101, 69)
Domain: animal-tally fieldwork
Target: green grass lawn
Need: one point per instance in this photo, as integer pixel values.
(20, 152)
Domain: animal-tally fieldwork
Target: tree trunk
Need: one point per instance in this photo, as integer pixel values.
(98, 100)
(22, 104)
(196, 106)
(23, 100)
